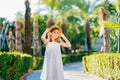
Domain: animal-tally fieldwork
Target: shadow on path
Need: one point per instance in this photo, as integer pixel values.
(72, 71)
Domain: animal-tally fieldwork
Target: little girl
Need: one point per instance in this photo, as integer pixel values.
(52, 66)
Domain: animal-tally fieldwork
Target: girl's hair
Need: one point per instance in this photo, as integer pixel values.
(51, 29)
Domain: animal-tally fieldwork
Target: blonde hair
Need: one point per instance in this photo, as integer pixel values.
(51, 29)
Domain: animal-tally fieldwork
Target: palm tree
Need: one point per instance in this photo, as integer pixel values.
(52, 4)
(50, 21)
(64, 9)
(87, 31)
(86, 9)
(27, 43)
(36, 49)
(74, 26)
(18, 36)
(116, 24)
(106, 37)
(63, 26)
(20, 16)
(118, 21)
(11, 41)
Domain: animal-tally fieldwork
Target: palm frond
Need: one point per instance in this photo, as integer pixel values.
(118, 5)
(111, 25)
(80, 4)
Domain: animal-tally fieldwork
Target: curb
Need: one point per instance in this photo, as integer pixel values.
(23, 77)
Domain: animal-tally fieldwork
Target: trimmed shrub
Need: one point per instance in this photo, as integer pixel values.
(77, 57)
(66, 59)
(37, 62)
(1, 79)
(104, 65)
(14, 64)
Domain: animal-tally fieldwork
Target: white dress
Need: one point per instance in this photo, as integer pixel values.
(52, 66)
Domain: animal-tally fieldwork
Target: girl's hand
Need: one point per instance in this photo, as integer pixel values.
(62, 35)
(47, 30)
(43, 37)
(65, 42)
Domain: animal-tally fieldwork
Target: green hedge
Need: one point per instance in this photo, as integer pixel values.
(104, 65)
(13, 64)
(1, 79)
(37, 63)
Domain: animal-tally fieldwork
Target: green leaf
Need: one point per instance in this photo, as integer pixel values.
(111, 25)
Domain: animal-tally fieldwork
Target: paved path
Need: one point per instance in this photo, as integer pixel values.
(73, 71)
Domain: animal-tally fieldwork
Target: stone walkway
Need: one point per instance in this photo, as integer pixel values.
(72, 71)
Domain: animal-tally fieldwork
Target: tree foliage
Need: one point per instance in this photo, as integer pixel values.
(2, 19)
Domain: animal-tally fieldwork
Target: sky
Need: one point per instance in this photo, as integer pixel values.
(9, 8)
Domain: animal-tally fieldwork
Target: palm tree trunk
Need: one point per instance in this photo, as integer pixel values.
(27, 43)
(36, 49)
(106, 40)
(118, 40)
(106, 36)
(64, 30)
(11, 42)
(87, 30)
(118, 20)
(63, 27)
(50, 21)
(73, 46)
(18, 36)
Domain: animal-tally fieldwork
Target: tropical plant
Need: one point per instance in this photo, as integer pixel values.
(106, 37)
(2, 19)
(36, 49)
(41, 19)
(76, 33)
(86, 9)
(52, 4)
(27, 39)
(118, 21)
(20, 16)
(112, 24)
(11, 41)
(64, 9)
(18, 36)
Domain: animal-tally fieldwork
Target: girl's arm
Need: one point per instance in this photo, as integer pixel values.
(43, 37)
(66, 42)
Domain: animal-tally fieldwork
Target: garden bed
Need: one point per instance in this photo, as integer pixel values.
(104, 65)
